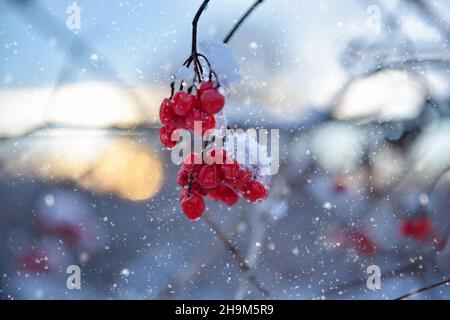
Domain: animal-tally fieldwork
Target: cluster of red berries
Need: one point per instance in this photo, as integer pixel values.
(224, 182)
(185, 108)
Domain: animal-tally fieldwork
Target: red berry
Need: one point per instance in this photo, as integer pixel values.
(204, 86)
(193, 206)
(230, 171)
(184, 103)
(224, 194)
(197, 188)
(183, 178)
(211, 101)
(419, 228)
(216, 155)
(179, 122)
(255, 191)
(206, 120)
(191, 160)
(165, 135)
(209, 176)
(166, 113)
(240, 184)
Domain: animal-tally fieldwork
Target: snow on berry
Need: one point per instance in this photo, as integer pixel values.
(250, 155)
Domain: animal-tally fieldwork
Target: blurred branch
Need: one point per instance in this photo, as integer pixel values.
(182, 280)
(199, 263)
(384, 276)
(76, 46)
(48, 26)
(243, 265)
(432, 16)
(242, 20)
(431, 287)
(259, 229)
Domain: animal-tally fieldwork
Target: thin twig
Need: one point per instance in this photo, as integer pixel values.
(241, 20)
(195, 25)
(243, 265)
(194, 53)
(259, 227)
(431, 287)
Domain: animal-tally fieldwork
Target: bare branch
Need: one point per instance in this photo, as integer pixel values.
(235, 253)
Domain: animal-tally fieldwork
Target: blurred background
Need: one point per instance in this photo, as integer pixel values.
(359, 90)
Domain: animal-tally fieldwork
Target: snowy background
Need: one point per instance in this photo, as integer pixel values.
(359, 90)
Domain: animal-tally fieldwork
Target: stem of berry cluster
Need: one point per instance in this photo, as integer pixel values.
(195, 24)
(194, 53)
(241, 20)
(194, 57)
